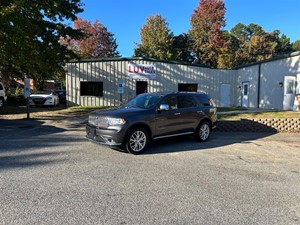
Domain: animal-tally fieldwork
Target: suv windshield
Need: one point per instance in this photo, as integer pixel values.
(144, 101)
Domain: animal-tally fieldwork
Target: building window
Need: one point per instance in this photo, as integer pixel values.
(91, 88)
(188, 87)
(141, 87)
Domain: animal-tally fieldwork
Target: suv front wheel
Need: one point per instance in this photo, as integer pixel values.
(136, 141)
(203, 132)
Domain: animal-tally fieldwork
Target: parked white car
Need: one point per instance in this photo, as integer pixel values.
(3, 96)
(44, 98)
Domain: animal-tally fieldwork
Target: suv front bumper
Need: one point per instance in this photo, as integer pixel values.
(110, 137)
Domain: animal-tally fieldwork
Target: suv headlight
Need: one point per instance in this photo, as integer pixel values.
(115, 121)
(105, 121)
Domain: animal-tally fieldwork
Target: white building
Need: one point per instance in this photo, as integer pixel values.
(270, 84)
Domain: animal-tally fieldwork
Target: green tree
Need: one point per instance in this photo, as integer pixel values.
(261, 47)
(227, 54)
(240, 32)
(30, 31)
(254, 43)
(296, 46)
(98, 42)
(182, 48)
(283, 43)
(207, 22)
(156, 39)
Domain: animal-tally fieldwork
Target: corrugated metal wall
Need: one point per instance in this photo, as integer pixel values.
(168, 76)
(264, 78)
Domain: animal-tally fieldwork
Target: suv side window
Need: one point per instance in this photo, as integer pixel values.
(203, 100)
(171, 101)
(1, 87)
(186, 101)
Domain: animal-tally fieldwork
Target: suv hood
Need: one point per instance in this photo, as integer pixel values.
(117, 112)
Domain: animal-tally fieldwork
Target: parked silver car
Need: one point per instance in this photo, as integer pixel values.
(44, 98)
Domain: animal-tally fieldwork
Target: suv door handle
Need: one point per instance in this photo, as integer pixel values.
(200, 112)
(176, 114)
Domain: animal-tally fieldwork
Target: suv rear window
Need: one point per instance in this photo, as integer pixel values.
(186, 101)
(181, 101)
(203, 100)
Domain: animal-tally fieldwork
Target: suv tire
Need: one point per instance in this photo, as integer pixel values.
(203, 131)
(136, 141)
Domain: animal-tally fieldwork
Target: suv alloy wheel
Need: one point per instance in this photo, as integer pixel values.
(136, 141)
(203, 131)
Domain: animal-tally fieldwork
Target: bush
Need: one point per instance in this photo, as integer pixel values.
(17, 98)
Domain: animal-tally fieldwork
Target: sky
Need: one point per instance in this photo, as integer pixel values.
(124, 18)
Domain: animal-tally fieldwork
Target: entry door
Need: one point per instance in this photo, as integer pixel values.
(141, 87)
(289, 92)
(225, 95)
(245, 94)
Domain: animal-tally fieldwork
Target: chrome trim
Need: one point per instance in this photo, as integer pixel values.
(102, 143)
(173, 135)
(164, 107)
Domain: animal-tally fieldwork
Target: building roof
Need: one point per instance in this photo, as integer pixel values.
(283, 56)
(137, 58)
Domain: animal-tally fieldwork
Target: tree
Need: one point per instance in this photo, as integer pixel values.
(97, 43)
(261, 47)
(240, 32)
(283, 43)
(182, 48)
(254, 43)
(207, 22)
(30, 31)
(226, 58)
(156, 39)
(296, 46)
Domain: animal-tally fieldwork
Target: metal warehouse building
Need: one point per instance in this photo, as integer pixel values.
(268, 84)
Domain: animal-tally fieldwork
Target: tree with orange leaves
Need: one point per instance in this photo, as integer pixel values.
(207, 22)
(97, 43)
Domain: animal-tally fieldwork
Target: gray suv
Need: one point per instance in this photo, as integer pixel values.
(152, 116)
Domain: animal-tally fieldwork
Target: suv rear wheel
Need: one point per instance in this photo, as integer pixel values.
(136, 141)
(203, 131)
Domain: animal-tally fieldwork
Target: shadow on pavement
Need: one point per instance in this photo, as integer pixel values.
(188, 143)
(29, 160)
(29, 143)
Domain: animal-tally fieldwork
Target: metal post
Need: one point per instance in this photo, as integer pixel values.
(28, 112)
(121, 100)
(27, 94)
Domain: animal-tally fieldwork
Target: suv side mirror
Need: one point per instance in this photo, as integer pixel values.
(164, 107)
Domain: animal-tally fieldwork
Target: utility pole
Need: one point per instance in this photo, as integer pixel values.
(27, 94)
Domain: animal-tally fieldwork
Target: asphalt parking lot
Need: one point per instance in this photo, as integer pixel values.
(50, 174)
